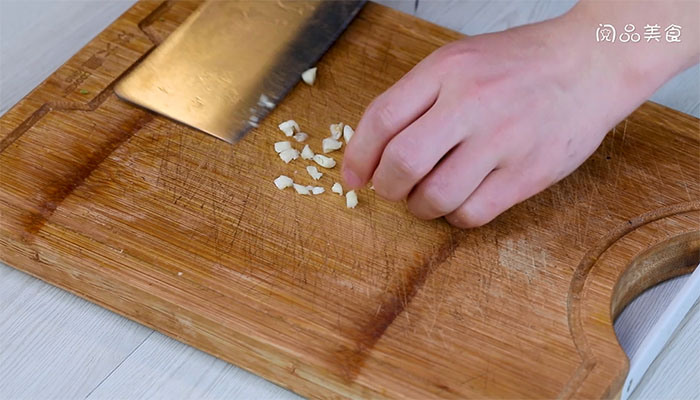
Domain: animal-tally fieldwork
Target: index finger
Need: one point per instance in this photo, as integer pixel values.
(388, 115)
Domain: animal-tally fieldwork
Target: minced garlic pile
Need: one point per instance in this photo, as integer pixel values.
(288, 153)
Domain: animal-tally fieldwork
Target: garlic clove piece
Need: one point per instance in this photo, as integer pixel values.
(337, 130)
(329, 145)
(301, 137)
(289, 127)
(313, 171)
(301, 189)
(309, 76)
(289, 155)
(325, 162)
(283, 182)
(306, 153)
(347, 133)
(266, 102)
(282, 146)
(351, 199)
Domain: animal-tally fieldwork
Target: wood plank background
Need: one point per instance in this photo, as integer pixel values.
(9, 278)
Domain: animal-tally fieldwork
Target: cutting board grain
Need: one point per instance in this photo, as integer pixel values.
(188, 235)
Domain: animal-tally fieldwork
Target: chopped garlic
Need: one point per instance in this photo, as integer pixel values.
(337, 188)
(306, 153)
(266, 102)
(337, 130)
(283, 181)
(313, 171)
(330, 144)
(347, 133)
(309, 76)
(289, 127)
(282, 146)
(350, 199)
(301, 189)
(289, 155)
(325, 162)
(301, 137)
(318, 190)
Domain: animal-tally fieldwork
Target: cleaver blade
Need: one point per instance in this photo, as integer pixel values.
(233, 61)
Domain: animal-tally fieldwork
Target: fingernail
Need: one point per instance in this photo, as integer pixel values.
(350, 178)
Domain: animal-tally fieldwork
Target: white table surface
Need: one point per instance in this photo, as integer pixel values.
(56, 345)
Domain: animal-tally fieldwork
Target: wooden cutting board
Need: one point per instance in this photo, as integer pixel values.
(188, 235)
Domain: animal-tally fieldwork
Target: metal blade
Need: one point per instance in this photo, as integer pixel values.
(231, 62)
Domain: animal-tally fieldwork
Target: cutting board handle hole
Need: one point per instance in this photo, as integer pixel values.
(673, 257)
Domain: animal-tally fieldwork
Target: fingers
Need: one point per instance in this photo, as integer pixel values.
(388, 115)
(414, 152)
(500, 190)
(452, 181)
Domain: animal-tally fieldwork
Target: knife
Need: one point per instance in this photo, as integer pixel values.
(231, 62)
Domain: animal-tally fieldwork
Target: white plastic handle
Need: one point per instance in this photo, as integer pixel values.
(661, 332)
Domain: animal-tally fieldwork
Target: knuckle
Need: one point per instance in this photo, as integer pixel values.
(468, 217)
(449, 60)
(438, 199)
(383, 115)
(386, 192)
(388, 196)
(455, 55)
(404, 161)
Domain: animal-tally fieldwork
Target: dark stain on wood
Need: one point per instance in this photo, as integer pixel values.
(393, 303)
(57, 191)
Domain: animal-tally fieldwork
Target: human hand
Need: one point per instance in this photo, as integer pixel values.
(488, 121)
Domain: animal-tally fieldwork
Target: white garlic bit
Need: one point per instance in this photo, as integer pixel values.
(313, 171)
(318, 190)
(289, 127)
(347, 133)
(330, 145)
(301, 189)
(266, 102)
(337, 188)
(309, 76)
(337, 130)
(283, 181)
(306, 153)
(351, 199)
(282, 146)
(325, 162)
(289, 155)
(301, 137)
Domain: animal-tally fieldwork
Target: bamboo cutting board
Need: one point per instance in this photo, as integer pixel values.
(188, 235)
